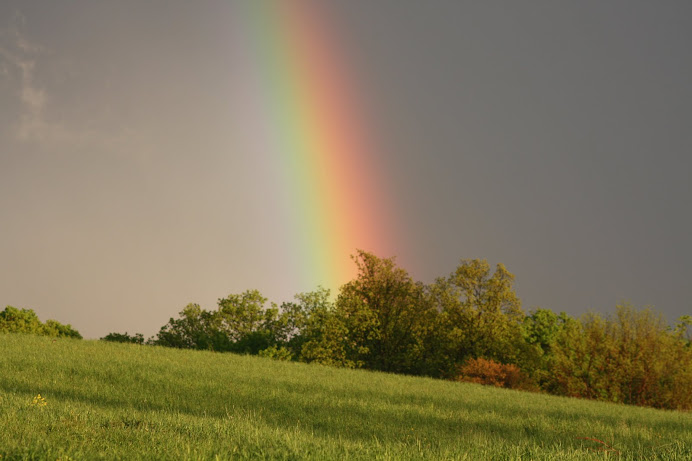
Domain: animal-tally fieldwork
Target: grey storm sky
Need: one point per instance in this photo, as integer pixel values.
(554, 137)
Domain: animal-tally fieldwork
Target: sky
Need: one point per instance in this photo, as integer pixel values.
(146, 158)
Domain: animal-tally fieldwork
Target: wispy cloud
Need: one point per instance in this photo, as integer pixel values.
(18, 61)
(20, 58)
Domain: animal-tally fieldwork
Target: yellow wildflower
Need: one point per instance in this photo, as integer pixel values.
(39, 401)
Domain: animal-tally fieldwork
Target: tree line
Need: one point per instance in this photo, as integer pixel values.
(467, 326)
(13, 320)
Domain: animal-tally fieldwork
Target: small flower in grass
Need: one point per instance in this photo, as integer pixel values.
(39, 401)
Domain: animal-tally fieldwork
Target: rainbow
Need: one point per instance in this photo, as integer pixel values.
(318, 141)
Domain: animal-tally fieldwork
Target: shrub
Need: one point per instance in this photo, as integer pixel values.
(277, 353)
(137, 338)
(13, 320)
(489, 372)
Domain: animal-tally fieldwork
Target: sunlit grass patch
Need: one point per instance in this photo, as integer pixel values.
(120, 401)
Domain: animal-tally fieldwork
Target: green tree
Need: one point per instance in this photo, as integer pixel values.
(248, 323)
(540, 330)
(542, 326)
(196, 328)
(55, 328)
(301, 320)
(242, 323)
(481, 315)
(385, 314)
(13, 320)
(327, 341)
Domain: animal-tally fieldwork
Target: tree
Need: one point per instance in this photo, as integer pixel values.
(195, 329)
(631, 357)
(302, 321)
(540, 330)
(249, 325)
(55, 328)
(481, 314)
(13, 320)
(327, 342)
(241, 324)
(384, 313)
(542, 326)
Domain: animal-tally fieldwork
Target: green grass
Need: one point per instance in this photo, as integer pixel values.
(119, 401)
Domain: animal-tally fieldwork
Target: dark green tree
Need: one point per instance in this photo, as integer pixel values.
(196, 328)
(137, 338)
(540, 330)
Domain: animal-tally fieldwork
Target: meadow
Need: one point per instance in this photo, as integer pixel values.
(102, 400)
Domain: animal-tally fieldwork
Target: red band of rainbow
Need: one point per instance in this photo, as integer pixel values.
(318, 140)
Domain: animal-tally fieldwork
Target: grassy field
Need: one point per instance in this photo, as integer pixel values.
(119, 401)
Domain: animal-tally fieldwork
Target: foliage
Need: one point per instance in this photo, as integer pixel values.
(481, 315)
(631, 358)
(683, 329)
(540, 330)
(55, 328)
(247, 323)
(301, 321)
(277, 353)
(542, 326)
(137, 338)
(242, 324)
(195, 329)
(313, 331)
(13, 320)
(467, 326)
(327, 342)
(489, 372)
(384, 315)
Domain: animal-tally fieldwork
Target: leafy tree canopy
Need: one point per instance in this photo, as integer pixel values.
(13, 320)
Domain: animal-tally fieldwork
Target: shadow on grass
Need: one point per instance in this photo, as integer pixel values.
(361, 415)
(331, 403)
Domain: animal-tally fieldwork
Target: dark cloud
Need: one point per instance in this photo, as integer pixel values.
(552, 137)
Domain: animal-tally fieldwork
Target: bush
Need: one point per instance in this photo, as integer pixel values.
(489, 372)
(278, 353)
(137, 338)
(13, 320)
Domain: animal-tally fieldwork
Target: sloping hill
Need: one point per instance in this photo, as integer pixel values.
(120, 401)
